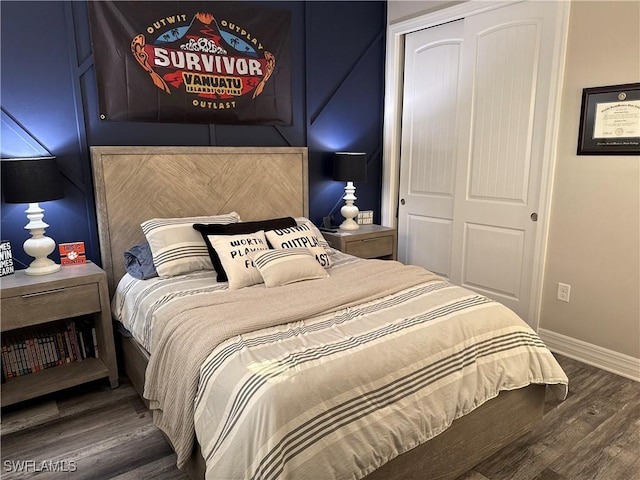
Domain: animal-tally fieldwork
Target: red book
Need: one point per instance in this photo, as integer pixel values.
(6, 364)
(75, 344)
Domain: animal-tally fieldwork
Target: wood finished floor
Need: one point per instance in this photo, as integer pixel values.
(593, 435)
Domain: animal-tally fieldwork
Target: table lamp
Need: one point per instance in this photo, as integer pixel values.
(33, 180)
(349, 167)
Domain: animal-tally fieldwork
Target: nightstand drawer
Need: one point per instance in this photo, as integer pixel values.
(48, 305)
(371, 247)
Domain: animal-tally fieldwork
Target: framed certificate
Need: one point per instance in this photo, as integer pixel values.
(610, 120)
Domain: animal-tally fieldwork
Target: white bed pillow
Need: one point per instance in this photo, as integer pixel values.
(176, 247)
(283, 266)
(234, 252)
(300, 236)
(317, 232)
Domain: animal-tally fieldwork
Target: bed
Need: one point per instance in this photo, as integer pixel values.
(135, 184)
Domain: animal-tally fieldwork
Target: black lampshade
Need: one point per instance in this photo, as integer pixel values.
(31, 180)
(350, 167)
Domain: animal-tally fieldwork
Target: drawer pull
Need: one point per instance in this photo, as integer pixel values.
(46, 292)
(377, 239)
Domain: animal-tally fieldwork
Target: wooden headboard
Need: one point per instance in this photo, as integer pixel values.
(134, 184)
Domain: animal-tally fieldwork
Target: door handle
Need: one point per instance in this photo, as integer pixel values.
(402, 202)
(534, 217)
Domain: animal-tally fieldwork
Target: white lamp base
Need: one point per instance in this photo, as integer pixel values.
(39, 246)
(349, 211)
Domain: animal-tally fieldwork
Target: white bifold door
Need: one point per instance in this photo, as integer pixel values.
(475, 109)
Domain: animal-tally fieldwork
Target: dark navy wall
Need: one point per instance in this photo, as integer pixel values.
(49, 105)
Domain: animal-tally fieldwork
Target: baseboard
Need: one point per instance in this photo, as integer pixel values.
(605, 359)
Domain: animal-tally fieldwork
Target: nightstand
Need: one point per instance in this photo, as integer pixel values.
(46, 302)
(369, 241)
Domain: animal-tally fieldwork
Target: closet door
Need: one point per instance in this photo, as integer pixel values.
(502, 102)
(429, 146)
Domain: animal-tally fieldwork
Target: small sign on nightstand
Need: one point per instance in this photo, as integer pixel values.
(6, 258)
(365, 217)
(72, 254)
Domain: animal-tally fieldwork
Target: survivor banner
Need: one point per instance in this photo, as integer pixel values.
(192, 62)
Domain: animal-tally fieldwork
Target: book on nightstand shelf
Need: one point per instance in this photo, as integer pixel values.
(34, 349)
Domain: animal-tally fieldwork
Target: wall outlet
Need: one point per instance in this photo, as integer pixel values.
(564, 291)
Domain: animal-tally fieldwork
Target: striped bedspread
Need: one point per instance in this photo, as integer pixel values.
(137, 302)
(339, 394)
(336, 396)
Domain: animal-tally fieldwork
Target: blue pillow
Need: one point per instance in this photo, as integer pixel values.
(138, 261)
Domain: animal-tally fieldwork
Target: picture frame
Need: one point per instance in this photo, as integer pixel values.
(610, 120)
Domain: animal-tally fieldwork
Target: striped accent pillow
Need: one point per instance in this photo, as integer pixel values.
(176, 247)
(281, 267)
